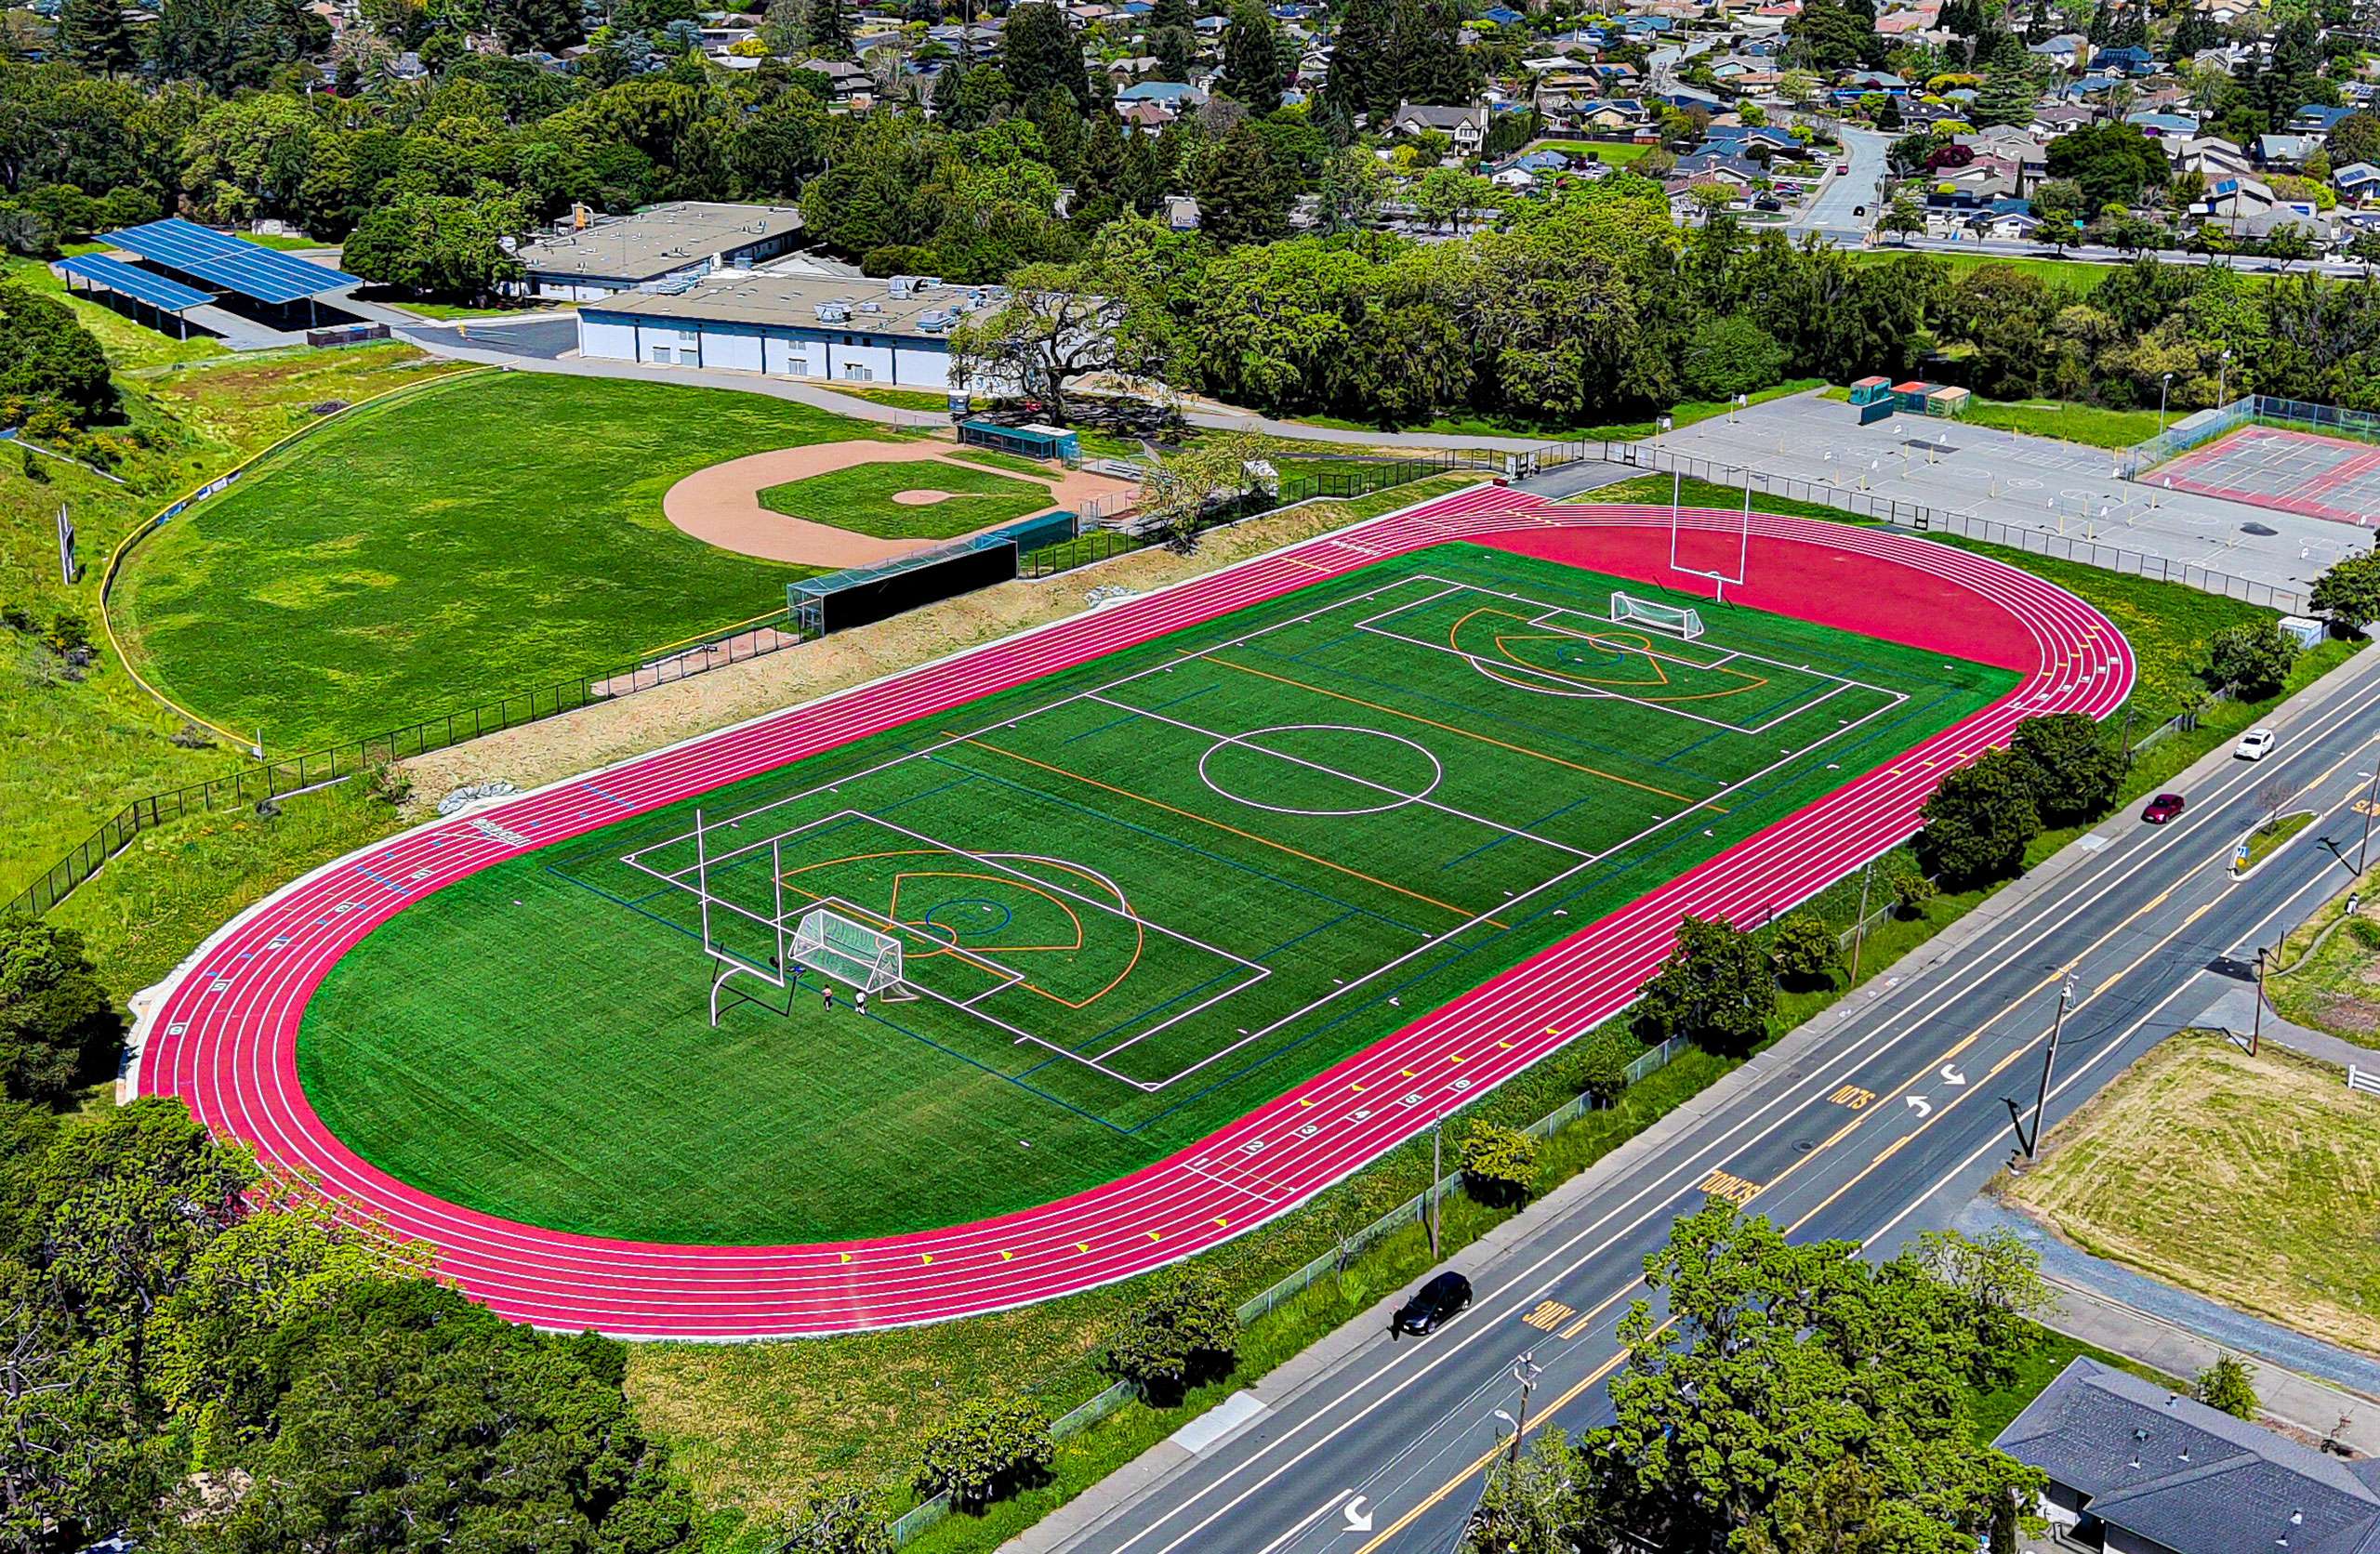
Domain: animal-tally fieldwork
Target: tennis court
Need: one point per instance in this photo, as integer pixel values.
(1130, 900)
(2284, 468)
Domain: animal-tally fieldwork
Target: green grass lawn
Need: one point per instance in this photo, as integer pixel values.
(900, 399)
(1992, 1410)
(2328, 972)
(481, 539)
(861, 499)
(2265, 838)
(1266, 869)
(1682, 415)
(2092, 424)
(992, 458)
(131, 346)
(74, 752)
(2073, 275)
(1614, 153)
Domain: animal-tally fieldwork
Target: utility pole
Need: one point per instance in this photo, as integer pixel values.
(1859, 926)
(2371, 797)
(2033, 1144)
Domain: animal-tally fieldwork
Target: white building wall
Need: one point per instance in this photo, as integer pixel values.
(606, 339)
(735, 346)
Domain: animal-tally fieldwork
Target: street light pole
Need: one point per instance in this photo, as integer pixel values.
(2256, 1025)
(2222, 374)
(2049, 1066)
(1437, 1127)
(1859, 927)
(1526, 1372)
(2163, 387)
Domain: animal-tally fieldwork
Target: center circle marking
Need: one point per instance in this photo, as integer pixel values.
(1395, 800)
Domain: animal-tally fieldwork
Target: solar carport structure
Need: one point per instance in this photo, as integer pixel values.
(262, 274)
(152, 291)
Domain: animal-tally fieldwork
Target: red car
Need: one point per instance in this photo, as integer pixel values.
(2163, 808)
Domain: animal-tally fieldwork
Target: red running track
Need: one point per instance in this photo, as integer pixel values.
(222, 1031)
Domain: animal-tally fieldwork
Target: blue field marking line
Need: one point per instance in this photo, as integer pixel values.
(1131, 717)
(381, 879)
(1017, 1079)
(612, 796)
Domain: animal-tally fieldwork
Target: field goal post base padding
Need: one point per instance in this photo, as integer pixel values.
(846, 950)
(1678, 620)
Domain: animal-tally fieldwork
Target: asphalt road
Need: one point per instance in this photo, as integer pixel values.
(1875, 1127)
(1846, 204)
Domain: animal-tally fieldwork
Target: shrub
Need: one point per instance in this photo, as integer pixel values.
(1184, 1331)
(2366, 932)
(1598, 1063)
(2349, 593)
(1979, 821)
(1910, 892)
(2251, 660)
(1805, 950)
(389, 783)
(2226, 1385)
(69, 631)
(991, 1448)
(1499, 1163)
(1731, 356)
(48, 361)
(54, 1017)
(2075, 774)
(1717, 989)
(836, 1522)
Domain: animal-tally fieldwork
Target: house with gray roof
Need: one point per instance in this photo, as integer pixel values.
(2135, 1469)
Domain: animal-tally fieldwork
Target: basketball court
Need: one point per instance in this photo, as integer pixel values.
(2320, 476)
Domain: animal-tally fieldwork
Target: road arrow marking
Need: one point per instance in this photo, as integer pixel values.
(1920, 1105)
(1950, 1074)
(1358, 1519)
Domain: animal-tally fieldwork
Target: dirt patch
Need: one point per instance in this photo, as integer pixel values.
(720, 506)
(563, 746)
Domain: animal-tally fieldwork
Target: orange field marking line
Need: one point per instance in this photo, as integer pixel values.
(1644, 645)
(1248, 835)
(1467, 733)
(980, 959)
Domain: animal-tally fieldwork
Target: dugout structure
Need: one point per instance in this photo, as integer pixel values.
(1053, 444)
(858, 596)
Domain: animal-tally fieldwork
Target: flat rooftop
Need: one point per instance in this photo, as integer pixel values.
(653, 243)
(855, 304)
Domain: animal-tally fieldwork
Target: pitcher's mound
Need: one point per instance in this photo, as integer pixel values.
(922, 498)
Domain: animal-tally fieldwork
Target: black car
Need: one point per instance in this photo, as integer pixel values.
(1432, 1304)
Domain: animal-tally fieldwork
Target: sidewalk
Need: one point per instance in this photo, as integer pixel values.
(2235, 1011)
(2300, 1381)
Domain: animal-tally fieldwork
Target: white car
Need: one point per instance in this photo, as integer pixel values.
(2253, 745)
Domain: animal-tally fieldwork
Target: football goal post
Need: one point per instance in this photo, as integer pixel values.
(1677, 620)
(849, 952)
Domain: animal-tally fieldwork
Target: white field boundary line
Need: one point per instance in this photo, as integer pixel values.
(1545, 619)
(1008, 975)
(1262, 1033)
(1248, 742)
(1011, 721)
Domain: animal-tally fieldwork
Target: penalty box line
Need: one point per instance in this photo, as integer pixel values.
(1836, 683)
(1254, 971)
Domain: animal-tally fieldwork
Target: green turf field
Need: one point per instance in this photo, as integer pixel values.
(860, 499)
(480, 539)
(1135, 900)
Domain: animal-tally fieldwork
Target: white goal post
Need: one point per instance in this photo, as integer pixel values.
(1678, 620)
(849, 952)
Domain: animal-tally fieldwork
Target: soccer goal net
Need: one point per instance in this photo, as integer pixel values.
(1680, 620)
(851, 952)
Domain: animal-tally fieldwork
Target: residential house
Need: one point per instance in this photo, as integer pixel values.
(2130, 60)
(2136, 1468)
(2316, 121)
(2053, 119)
(2164, 126)
(847, 84)
(1467, 128)
(2357, 182)
(2065, 51)
(2285, 153)
(2006, 221)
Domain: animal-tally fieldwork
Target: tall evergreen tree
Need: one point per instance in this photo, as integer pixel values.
(1363, 74)
(1426, 54)
(1172, 13)
(1177, 50)
(1039, 50)
(95, 37)
(1241, 199)
(1251, 63)
(826, 30)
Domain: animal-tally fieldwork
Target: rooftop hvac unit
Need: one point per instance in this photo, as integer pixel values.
(871, 307)
(834, 312)
(938, 320)
(900, 285)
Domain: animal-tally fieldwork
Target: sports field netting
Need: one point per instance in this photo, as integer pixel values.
(1132, 900)
(2290, 456)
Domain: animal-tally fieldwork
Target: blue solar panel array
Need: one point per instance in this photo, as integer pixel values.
(116, 275)
(264, 273)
